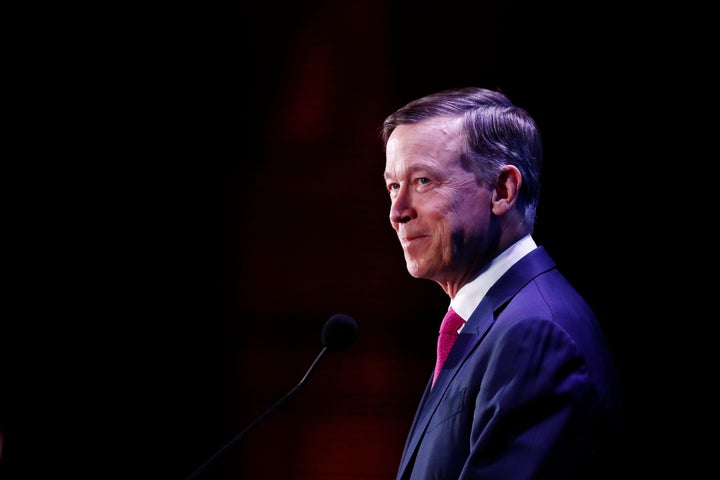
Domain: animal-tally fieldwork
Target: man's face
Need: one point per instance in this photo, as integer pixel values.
(439, 210)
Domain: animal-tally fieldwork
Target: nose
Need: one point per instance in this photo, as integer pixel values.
(401, 209)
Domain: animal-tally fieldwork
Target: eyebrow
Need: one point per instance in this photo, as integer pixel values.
(417, 168)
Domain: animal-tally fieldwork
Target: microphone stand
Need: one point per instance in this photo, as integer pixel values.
(240, 435)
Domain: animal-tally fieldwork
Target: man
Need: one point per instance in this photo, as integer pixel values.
(529, 390)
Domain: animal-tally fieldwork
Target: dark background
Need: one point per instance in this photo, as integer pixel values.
(191, 194)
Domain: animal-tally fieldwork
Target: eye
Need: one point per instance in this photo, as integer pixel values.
(393, 186)
(423, 180)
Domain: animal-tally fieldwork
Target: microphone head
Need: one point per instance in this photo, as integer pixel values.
(339, 332)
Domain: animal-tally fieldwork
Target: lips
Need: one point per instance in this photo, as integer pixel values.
(409, 240)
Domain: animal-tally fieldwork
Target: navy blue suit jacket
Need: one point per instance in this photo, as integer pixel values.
(529, 390)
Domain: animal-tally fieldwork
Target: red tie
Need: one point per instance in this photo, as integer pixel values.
(448, 333)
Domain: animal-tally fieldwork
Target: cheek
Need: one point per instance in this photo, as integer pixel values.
(469, 218)
(465, 211)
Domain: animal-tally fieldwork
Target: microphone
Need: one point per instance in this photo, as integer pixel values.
(338, 333)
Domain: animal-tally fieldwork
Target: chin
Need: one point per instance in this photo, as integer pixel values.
(416, 270)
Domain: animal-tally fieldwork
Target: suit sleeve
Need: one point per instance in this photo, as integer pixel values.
(533, 408)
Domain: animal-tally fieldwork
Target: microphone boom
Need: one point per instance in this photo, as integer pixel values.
(338, 333)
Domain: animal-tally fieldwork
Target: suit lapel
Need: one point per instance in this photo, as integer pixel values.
(533, 264)
(469, 337)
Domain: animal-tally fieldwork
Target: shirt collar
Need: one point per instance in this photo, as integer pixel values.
(471, 294)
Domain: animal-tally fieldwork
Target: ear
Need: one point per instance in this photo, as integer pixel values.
(506, 189)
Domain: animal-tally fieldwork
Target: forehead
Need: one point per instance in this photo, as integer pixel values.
(433, 141)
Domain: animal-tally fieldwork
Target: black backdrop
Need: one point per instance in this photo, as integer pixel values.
(192, 194)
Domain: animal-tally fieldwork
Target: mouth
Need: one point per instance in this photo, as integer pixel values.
(408, 241)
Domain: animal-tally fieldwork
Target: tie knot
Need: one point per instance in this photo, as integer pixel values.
(451, 322)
